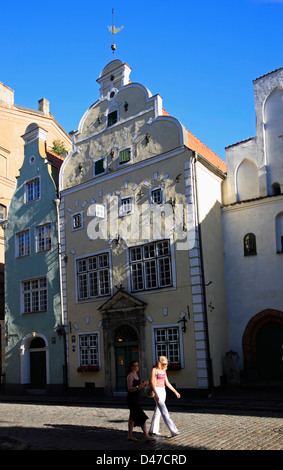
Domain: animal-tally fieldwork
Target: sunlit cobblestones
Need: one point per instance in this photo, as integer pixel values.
(59, 427)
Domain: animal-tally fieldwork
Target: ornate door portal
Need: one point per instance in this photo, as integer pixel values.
(124, 339)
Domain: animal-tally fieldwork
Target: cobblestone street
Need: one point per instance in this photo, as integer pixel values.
(39, 426)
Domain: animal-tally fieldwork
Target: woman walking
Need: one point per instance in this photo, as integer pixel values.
(158, 381)
(137, 415)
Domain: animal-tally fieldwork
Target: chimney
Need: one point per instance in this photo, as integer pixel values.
(43, 105)
(6, 96)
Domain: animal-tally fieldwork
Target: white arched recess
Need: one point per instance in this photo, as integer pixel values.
(247, 180)
(25, 357)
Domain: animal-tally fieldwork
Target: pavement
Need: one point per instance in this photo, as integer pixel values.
(241, 401)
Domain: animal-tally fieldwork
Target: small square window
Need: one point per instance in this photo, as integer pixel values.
(77, 221)
(100, 211)
(126, 205)
(124, 156)
(156, 196)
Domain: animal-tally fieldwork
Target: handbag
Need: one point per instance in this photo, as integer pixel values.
(149, 392)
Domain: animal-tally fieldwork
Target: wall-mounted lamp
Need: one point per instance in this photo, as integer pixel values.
(126, 106)
(99, 119)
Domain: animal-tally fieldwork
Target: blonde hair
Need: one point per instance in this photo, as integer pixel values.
(162, 359)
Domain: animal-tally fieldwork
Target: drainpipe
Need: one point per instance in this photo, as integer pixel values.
(209, 359)
(57, 204)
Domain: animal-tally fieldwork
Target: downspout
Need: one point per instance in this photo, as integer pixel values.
(198, 225)
(63, 329)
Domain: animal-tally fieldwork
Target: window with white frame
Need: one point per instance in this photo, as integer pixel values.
(93, 276)
(150, 266)
(167, 343)
(89, 351)
(34, 295)
(125, 156)
(43, 238)
(23, 243)
(100, 211)
(77, 221)
(156, 196)
(126, 205)
(32, 190)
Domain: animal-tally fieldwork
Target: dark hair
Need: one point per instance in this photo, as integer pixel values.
(130, 365)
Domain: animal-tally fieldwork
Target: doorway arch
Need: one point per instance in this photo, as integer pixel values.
(262, 345)
(34, 353)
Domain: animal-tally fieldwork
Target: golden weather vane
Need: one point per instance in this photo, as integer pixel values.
(114, 31)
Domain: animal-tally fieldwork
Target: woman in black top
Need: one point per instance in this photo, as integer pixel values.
(137, 415)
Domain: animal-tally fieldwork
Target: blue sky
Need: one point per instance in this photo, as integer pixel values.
(200, 56)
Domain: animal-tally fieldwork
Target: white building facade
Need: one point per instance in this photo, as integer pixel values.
(253, 236)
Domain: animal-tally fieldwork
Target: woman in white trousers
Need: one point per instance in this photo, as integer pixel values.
(158, 381)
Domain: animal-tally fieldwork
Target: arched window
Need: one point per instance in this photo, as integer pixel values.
(276, 188)
(279, 232)
(249, 244)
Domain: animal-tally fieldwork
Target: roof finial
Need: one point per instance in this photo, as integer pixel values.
(114, 30)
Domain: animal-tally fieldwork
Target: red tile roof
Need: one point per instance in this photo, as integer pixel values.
(204, 151)
(55, 159)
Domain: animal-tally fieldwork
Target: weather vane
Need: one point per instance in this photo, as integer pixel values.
(114, 31)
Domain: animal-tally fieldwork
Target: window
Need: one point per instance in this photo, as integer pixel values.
(34, 295)
(23, 244)
(249, 244)
(2, 212)
(156, 196)
(124, 156)
(43, 238)
(167, 343)
(112, 118)
(150, 266)
(93, 276)
(89, 352)
(99, 167)
(126, 205)
(32, 190)
(77, 221)
(100, 211)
